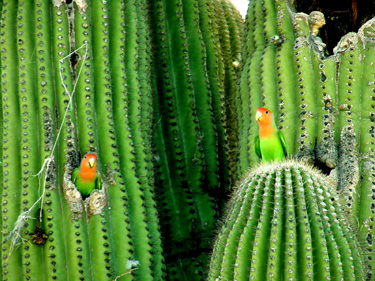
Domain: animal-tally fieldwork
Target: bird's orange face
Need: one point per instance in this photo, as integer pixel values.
(264, 117)
(89, 161)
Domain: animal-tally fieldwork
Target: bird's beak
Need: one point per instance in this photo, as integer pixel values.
(91, 162)
(258, 115)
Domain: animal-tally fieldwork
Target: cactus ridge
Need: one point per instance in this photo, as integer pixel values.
(297, 213)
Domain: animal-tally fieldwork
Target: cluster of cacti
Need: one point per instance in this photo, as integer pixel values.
(285, 222)
(324, 104)
(196, 45)
(148, 86)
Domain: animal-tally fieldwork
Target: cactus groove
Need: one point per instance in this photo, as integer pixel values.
(285, 222)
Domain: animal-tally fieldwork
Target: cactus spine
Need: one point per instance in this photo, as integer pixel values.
(285, 222)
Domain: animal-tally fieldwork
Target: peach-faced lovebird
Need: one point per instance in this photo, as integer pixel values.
(86, 177)
(270, 145)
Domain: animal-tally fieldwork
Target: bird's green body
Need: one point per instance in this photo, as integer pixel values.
(85, 186)
(271, 148)
(86, 177)
(270, 144)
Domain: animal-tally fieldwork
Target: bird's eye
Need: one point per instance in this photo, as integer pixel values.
(267, 111)
(85, 157)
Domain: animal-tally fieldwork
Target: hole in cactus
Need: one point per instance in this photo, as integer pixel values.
(323, 168)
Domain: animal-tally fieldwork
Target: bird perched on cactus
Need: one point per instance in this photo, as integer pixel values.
(270, 145)
(86, 177)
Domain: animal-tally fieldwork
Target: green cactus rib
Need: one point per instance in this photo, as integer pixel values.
(255, 102)
(243, 257)
(101, 247)
(228, 32)
(29, 137)
(140, 197)
(118, 197)
(305, 247)
(327, 108)
(306, 93)
(197, 61)
(297, 214)
(275, 255)
(286, 86)
(233, 234)
(178, 214)
(268, 62)
(146, 86)
(290, 235)
(244, 118)
(365, 214)
(10, 208)
(54, 252)
(194, 135)
(216, 73)
(349, 82)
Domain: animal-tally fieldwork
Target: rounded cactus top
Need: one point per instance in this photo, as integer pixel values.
(285, 222)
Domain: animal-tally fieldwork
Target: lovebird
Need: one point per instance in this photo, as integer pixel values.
(270, 145)
(86, 177)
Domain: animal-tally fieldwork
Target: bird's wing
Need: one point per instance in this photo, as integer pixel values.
(284, 144)
(98, 181)
(75, 175)
(257, 147)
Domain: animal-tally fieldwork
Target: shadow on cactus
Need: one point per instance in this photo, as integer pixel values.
(285, 222)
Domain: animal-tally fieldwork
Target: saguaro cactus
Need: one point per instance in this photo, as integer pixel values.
(285, 222)
(324, 103)
(146, 86)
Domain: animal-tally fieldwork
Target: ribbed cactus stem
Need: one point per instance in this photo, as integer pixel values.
(10, 208)
(293, 226)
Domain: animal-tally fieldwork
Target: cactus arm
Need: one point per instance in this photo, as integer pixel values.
(10, 208)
